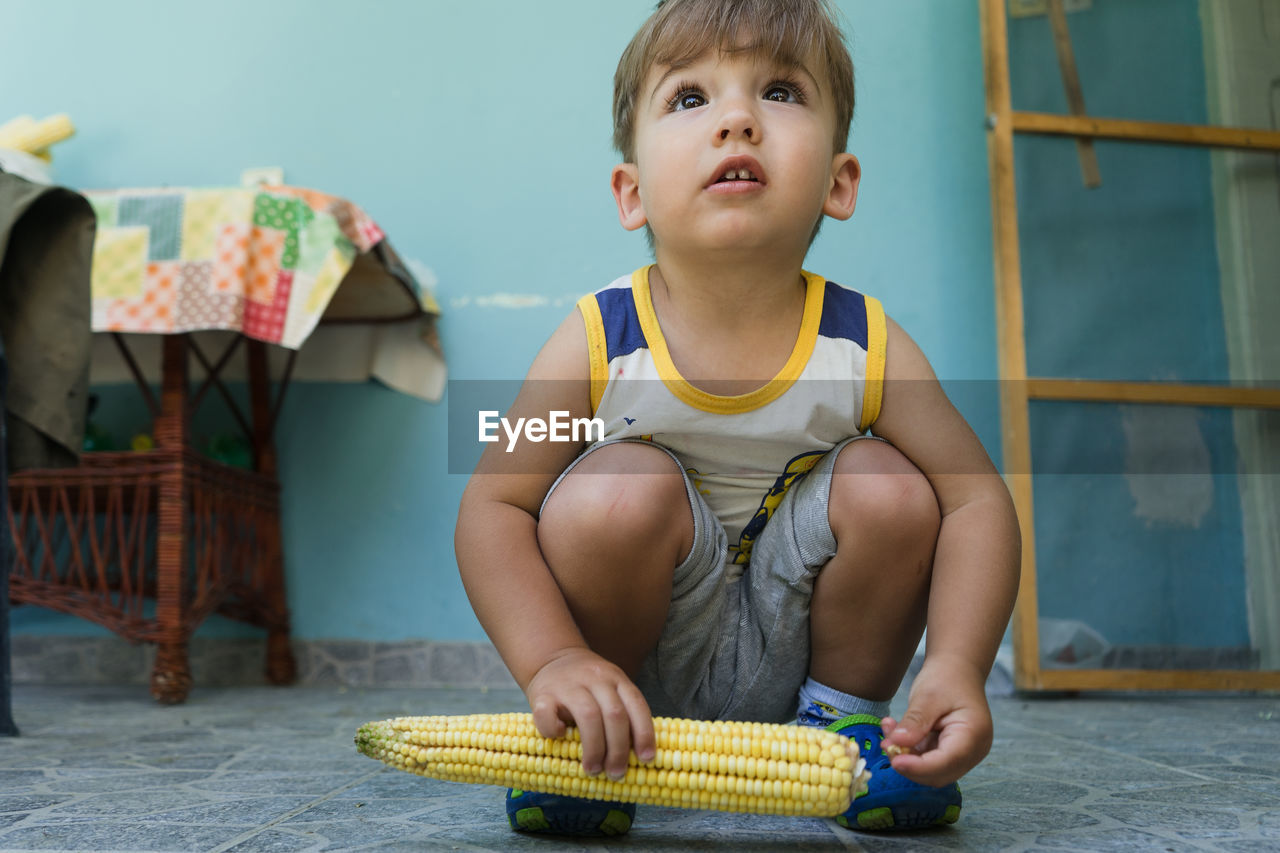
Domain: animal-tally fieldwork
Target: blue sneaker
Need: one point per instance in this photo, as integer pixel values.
(552, 814)
(892, 801)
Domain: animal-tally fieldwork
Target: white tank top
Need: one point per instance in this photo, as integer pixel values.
(742, 452)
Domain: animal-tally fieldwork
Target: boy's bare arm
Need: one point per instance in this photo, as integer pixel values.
(975, 570)
(511, 588)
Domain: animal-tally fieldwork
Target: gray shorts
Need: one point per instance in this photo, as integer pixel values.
(738, 648)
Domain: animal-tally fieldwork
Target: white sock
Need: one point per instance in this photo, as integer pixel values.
(823, 705)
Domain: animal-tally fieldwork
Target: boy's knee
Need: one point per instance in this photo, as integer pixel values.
(875, 487)
(623, 491)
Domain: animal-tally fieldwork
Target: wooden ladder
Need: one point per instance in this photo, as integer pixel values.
(1017, 389)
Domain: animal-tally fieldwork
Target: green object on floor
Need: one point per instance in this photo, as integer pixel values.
(96, 438)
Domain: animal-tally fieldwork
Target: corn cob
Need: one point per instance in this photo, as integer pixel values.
(26, 134)
(15, 131)
(760, 768)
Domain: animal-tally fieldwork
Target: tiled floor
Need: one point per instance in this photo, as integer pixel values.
(264, 769)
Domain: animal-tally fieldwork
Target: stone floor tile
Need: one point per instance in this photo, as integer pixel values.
(372, 808)
(13, 779)
(30, 802)
(270, 783)
(356, 833)
(1019, 820)
(1233, 796)
(1240, 772)
(111, 835)
(958, 837)
(8, 820)
(1117, 840)
(1024, 792)
(1269, 824)
(68, 781)
(1185, 820)
(403, 786)
(265, 769)
(243, 811)
(123, 804)
(276, 841)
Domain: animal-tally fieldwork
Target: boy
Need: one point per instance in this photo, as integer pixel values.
(737, 546)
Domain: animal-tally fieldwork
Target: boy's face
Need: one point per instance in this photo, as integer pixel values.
(734, 151)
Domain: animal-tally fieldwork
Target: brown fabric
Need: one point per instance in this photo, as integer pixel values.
(46, 253)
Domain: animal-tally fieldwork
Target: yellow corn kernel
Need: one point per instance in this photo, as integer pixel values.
(727, 766)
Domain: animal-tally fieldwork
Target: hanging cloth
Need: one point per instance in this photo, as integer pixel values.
(46, 253)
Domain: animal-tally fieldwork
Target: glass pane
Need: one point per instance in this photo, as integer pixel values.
(1142, 538)
(1122, 281)
(1136, 59)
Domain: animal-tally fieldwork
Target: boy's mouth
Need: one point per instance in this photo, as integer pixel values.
(737, 170)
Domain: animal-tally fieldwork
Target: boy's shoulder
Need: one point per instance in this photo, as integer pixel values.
(849, 314)
(619, 287)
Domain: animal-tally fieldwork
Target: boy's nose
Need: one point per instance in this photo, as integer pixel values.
(739, 122)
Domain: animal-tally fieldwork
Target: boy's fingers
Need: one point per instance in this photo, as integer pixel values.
(934, 768)
(643, 740)
(617, 734)
(914, 726)
(586, 716)
(546, 717)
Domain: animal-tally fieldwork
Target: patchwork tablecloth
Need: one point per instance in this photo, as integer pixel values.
(263, 261)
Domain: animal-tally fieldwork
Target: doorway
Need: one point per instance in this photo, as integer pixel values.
(1242, 61)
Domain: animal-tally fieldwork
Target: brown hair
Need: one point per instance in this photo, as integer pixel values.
(679, 31)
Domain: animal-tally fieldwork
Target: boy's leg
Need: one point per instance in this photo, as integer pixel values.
(885, 519)
(837, 590)
(613, 530)
(866, 618)
(837, 584)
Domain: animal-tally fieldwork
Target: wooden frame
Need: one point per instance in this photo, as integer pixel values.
(1124, 130)
(1017, 389)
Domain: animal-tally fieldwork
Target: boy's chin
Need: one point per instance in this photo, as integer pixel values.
(739, 242)
(730, 237)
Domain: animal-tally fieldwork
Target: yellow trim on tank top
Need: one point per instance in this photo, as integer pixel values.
(597, 348)
(715, 403)
(877, 344)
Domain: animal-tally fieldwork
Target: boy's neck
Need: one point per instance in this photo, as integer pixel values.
(729, 327)
(748, 289)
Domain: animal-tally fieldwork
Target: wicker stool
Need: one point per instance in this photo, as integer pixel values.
(148, 544)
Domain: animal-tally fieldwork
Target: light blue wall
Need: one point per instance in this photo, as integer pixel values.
(477, 134)
(1122, 282)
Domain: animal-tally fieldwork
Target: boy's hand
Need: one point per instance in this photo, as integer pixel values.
(947, 725)
(580, 688)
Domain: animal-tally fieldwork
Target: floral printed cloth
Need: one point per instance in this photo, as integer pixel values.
(264, 261)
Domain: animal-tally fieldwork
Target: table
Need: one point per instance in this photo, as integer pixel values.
(148, 544)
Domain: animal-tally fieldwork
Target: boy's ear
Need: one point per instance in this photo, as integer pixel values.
(846, 172)
(625, 183)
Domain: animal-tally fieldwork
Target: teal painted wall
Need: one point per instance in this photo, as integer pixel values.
(477, 134)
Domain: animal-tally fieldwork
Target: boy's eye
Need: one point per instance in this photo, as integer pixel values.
(687, 99)
(783, 93)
